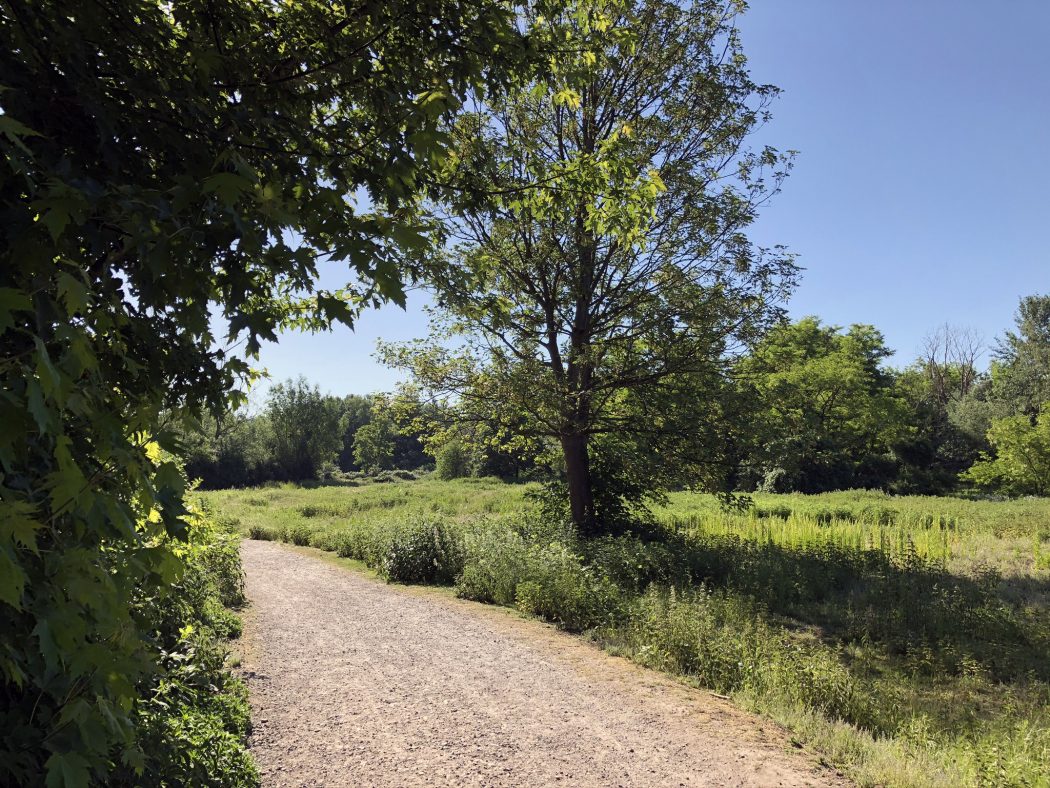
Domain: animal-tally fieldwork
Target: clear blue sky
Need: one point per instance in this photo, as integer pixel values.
(921, 193)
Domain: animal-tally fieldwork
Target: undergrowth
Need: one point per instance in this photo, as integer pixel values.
(192, 723)
(905, 660)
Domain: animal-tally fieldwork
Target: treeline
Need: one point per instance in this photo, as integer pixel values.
(303, 434)
(817, 408)
(831, 413)
(299, 434)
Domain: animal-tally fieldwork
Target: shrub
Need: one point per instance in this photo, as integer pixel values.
(497, 560)
(561, 589)
(424, 551)
(261, 532)
(191, 723)
(634, 564)
(299, 534)
(453, 461)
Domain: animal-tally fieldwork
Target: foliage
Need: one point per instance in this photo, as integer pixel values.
(1021, 371)
(303, 429)
(1016, 384)
(357, 412)
(1021, 465)
(188, 718)
(374, 443)
(938, 444)
(423, 551)
(595, 305)
(234, 449)
(170, 171)
(192, 724)
(906, 636)
(453, 461)
(829, 414)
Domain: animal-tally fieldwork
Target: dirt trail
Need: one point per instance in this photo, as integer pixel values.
(354, 683)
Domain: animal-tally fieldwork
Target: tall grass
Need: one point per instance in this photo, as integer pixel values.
(906, 638)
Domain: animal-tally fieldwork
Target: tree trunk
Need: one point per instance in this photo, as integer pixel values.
(578, 478)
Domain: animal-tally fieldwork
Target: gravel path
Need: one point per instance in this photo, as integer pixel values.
(357, 683)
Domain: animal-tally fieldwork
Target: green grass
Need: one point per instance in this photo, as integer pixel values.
(906, 639)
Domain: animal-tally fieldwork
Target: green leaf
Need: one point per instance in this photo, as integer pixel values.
(16, 525)
(227, 186)
(73, 293)
(67, 770)
(12, 300)
(45, 371)
(15, 130)
(12, 578)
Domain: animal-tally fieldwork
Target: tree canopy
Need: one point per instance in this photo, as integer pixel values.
(169, 168)
(1020, 464)
(598, 303)
(828, 412)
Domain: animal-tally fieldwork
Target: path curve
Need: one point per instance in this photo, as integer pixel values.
(357, 683)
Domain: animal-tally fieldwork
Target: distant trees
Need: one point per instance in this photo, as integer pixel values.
(828, 413)
(357, 412)
(1020, 376)
(232, 450)
(809, 407)
(453, 461)
(298, 435)
(303, 430)
(374, 443)
(949, 360)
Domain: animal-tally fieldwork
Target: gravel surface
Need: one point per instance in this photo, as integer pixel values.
(357, 683)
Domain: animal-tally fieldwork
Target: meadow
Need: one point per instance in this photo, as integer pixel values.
(905, 639)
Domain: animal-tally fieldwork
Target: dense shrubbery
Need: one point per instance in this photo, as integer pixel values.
(192, 722)
(423, 551)
(188, 716)
(192, 719)
(452, 461)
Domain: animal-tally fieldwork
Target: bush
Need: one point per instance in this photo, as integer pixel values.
(633, 564)
(562, 590)
(192, 722)
(497, 560)
(453, 461)
(536, 567)
(424, 551)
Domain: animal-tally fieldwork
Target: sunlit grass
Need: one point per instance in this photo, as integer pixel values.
(908, 639)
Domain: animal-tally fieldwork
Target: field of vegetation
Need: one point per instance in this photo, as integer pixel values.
(571, 184)
(905, 638)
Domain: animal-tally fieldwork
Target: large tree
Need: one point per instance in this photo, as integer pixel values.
(599, 303)
(163, 162)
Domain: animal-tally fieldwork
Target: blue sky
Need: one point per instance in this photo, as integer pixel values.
(921, 193)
